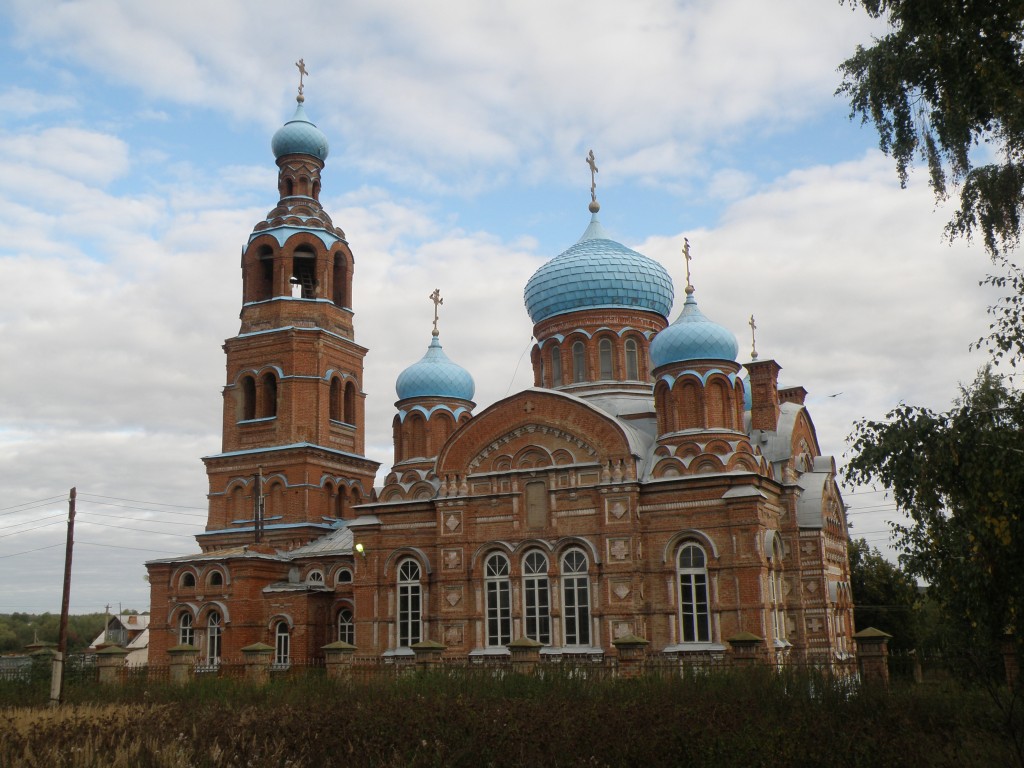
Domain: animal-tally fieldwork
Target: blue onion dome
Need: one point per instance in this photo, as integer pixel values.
(598, 272)
(692, 337)
(435, 376)
(299, 136)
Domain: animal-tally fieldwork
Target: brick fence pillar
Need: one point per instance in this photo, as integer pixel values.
(257, 662)
(525, 655)
(110, 662)
(183, 663)
(873, 656)
(338, 660)
(746, 649)
(632, 654)
(428, 654)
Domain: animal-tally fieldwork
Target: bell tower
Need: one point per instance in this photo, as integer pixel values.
(292, 456)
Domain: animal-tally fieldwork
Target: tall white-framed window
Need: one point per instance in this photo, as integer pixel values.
(632, 361)
(282, 644)
(694, 612)
(186, 630)
(214, 630)
(604, 356)
(556, 366)
(410, 603)
(575, 598)
(536, 598)
(499, 600)
(579, 362)
(346, 626)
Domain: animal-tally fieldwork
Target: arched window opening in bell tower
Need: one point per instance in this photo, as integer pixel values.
(349, 415)
(268, 396)
(339, 294)
(335, 406)
(248, 395)
(262, 275)
(303, 280)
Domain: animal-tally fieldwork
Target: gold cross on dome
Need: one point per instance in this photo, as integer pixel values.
(753, 338)
(301, 64)
(592, 162)
(438, 301)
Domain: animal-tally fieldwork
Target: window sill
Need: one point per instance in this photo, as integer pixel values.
(256, 421)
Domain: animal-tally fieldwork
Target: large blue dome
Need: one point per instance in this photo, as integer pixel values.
(598, 272)
(435, 376)
(692, 337)
(299, 136)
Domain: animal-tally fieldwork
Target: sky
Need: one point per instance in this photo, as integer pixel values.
(135, 160)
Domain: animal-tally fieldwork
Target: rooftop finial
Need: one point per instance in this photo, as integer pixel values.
(594, 205)
(753, 338)
(687, 257)
(438, 301)
(301, 64)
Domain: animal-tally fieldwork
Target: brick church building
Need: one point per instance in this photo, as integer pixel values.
(648, 484)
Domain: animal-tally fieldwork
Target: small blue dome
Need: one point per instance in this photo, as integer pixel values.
(598, 272)
(692, 337)
(435, 376)
(299, 137)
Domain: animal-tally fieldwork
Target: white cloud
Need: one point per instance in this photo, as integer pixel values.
(82, 155)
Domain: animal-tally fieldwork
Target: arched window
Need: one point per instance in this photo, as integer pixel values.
(346, 626)
(248, 385)
(344, 576)
(536, 598)
(188, 580)
(410, 597)
(216, 579)
(273, 499)
(579, 362)
(499, 601)
(604, 353)
(186, 632)
(694, 614)
(349, 417)
(556, 366)
(632, 361)
(315, 577)
(575, 598)
(214, 628)
(335, 404)
(340, 292)
(417, 436)
(268, 396)
(282, 645)
(304, 280)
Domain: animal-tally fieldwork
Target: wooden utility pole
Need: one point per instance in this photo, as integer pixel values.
(57, 678)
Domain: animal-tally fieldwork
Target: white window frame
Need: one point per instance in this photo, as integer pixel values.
(214, 637)
(186, 629)
(536, 597)
(282, 645)
(575, 598)
(498, 589)
(694, 598)
(346, 625)
(410, 603)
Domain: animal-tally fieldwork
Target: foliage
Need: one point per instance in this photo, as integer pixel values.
(959, 476)
(885, 597)
(749, 716)
(946, 79)
(19, 629)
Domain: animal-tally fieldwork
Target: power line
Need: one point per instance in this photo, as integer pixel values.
(138, 530)
(138, 501)
(44, 525)
(146, 509)
(28, 551)
(37, 501)
(90, 513)
(137, 549)
(29, 522)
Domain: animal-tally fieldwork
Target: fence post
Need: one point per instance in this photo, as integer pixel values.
(873, 655)
(338, 659)
(632, 652)
(525, 655)
(428, 654)
(257, 662)
(183, 663)
(110, 662)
